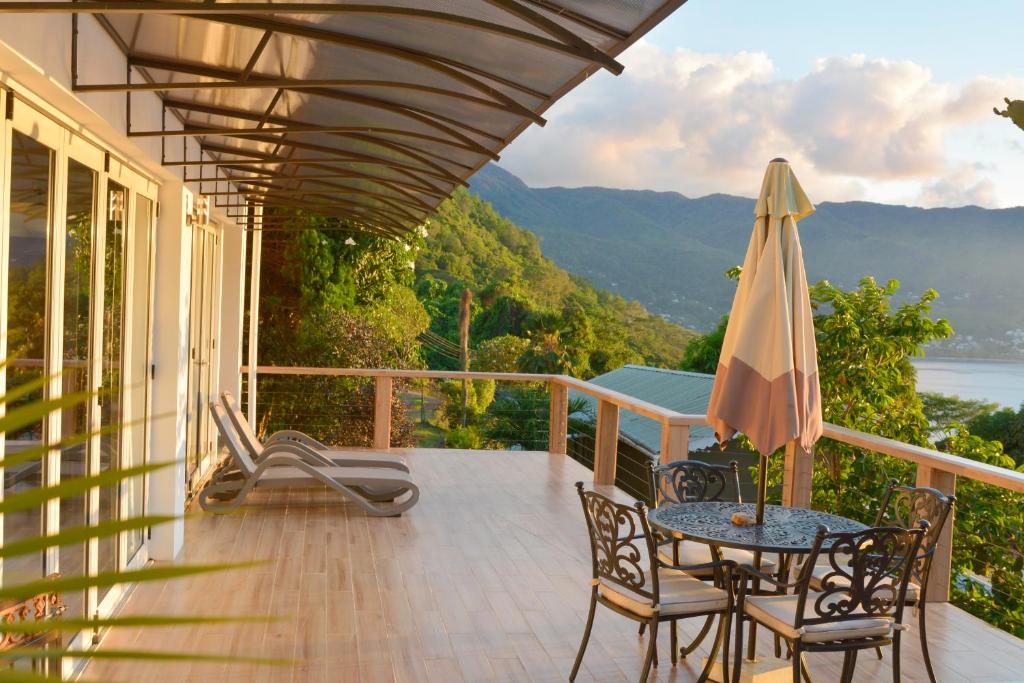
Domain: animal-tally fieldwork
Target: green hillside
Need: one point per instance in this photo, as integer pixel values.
(668, 251)
(326, 279)
(519, 292)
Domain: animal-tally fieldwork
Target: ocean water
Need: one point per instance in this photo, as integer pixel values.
(1000, 382)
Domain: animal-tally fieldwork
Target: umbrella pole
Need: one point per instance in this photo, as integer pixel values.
(762, 488)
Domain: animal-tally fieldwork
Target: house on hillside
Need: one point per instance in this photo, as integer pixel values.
(640, 437)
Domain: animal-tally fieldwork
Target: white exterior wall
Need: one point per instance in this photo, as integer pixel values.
(35, 62)
(170, 357)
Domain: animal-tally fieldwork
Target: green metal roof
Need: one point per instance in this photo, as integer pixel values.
(683, 392)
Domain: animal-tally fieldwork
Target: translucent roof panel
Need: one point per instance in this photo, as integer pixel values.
(373, 110)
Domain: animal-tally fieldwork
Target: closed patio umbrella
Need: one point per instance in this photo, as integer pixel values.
(766, 384)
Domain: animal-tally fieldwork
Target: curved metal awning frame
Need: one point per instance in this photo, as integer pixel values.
(340, 137)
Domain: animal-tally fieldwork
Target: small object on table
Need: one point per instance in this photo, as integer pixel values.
(742, 519)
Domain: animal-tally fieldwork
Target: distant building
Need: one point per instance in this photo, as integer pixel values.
(640, 437)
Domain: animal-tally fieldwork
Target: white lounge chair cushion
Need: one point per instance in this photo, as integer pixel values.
(680, 594)
(778, 612)
(691, 553)
(820, 570)
(285, 475)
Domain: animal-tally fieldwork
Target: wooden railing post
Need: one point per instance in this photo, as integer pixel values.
(558, 423)
(942, 561)
(382, 414)
(675, 442)
(606, 444)
(796, 478)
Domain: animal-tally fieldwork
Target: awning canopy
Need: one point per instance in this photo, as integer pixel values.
(372, 111)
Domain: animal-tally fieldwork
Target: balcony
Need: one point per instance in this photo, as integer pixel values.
(486, 579)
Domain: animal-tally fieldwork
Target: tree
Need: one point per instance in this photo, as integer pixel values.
(500, 354)
(703, 351)
(944, 411)
(868, 384)
(1005, 426)
(989, 539)
(336, 297)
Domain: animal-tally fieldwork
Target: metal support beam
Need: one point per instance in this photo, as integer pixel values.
(566, 41)
(256, 259)
(307, 128)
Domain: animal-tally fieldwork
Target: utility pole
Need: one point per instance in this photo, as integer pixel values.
(464, 313)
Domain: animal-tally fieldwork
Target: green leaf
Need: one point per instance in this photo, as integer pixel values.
(151, 655)
(131, 621)
(28, 388)
(31, 413)
(76, 486)
(80, 534)
(38, 451)
(102, 580)
(13, 676)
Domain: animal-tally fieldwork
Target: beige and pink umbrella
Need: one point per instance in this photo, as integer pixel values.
(766, 385)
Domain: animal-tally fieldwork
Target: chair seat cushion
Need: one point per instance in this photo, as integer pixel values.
(778, 612)
(821, 570)
(691, 553)
(680, 594)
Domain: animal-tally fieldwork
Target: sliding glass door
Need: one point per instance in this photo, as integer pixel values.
(76, 285)
(202, 357)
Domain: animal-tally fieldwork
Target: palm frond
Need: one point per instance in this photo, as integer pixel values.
(24, 411)
(59, 584)
(79, 534)
(151, 655)
(133, 622)
(75, 486)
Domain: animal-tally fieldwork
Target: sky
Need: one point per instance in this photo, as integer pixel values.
(876, 100)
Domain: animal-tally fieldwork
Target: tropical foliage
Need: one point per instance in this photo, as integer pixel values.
(333, 296)
(865, 343)
(563, 324)
(1005, 426)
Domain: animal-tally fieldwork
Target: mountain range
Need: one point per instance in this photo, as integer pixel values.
(670, 252)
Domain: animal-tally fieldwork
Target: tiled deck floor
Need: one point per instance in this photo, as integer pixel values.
(487, 579)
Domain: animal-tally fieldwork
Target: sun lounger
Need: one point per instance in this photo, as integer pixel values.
(279, 468)
(316, 450)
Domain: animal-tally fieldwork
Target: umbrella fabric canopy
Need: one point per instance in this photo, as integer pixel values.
(766, 385)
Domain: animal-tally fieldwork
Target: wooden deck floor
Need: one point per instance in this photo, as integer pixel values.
(487, 579)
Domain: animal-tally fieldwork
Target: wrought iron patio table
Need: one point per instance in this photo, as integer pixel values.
(786, 530)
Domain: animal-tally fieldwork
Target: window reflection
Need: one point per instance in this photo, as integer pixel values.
(110, 387)
(143, 282)
(26, 333)
(75, 364)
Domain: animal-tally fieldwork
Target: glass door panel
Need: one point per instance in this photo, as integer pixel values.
(74, 462)
(142, 293)
(201, 353)
(111, 410)
(27, 276)
(207, 343)
(193, 453)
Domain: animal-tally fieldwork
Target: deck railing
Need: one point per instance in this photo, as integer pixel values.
(934, 468)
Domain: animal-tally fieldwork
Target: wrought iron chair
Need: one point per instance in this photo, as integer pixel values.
(693, 481)
(906, 506)
(859, 603)
(630, 579)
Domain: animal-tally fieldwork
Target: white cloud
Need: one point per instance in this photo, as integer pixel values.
(853, 127)
(960, 187)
